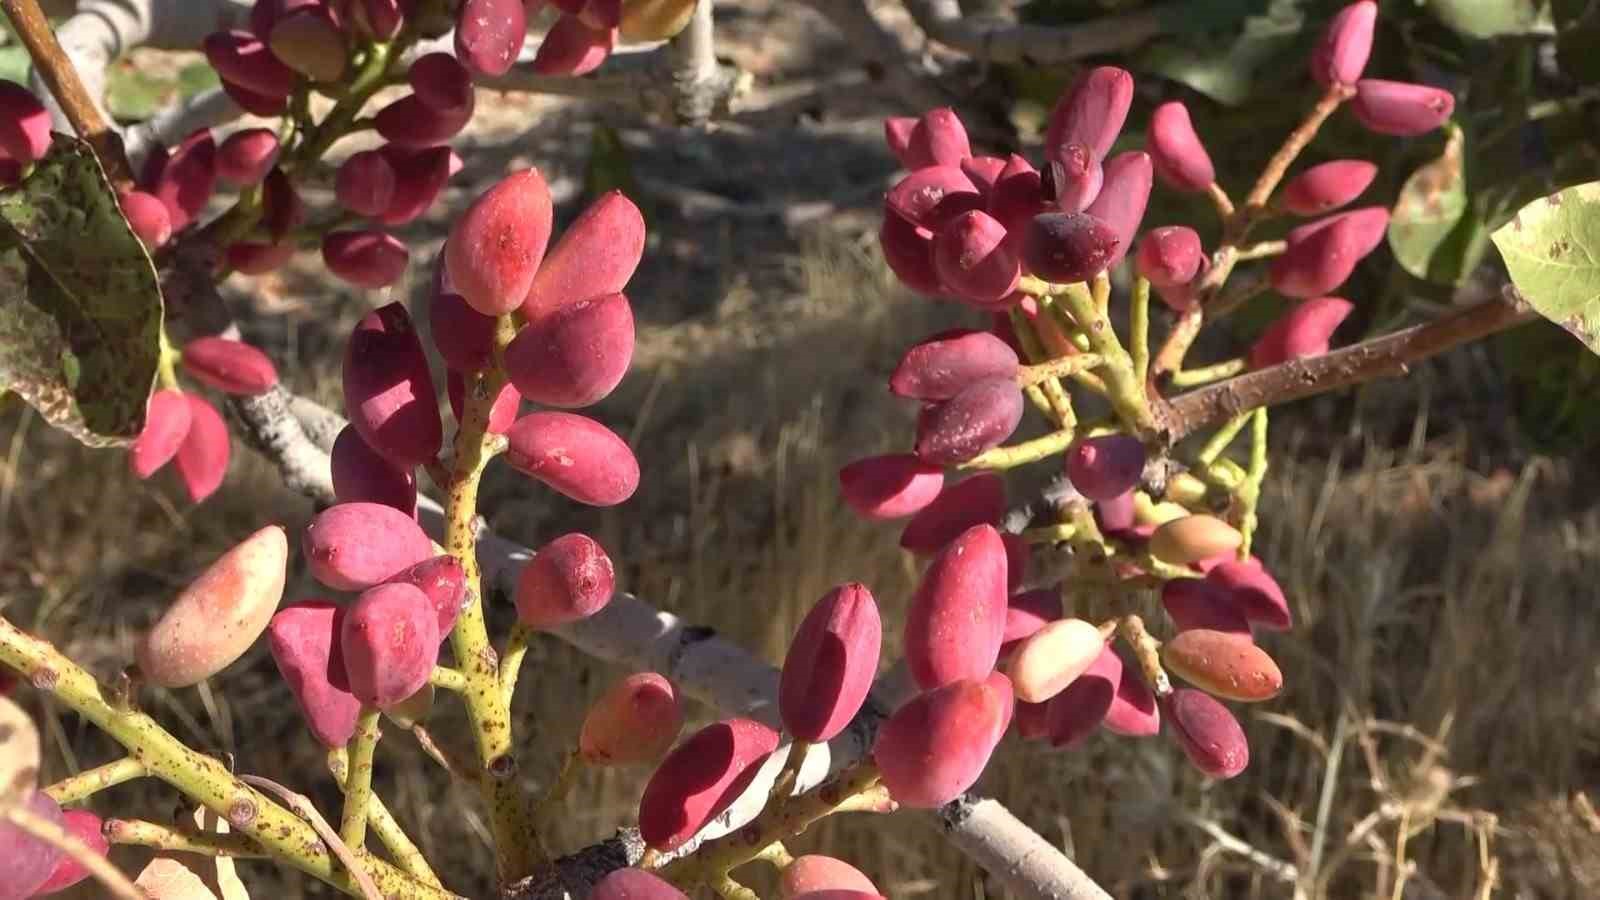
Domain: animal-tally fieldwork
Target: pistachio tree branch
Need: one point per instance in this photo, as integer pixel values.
(1378, 357)
(992, 38)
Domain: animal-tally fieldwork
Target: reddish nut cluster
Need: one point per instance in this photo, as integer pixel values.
(985, 231)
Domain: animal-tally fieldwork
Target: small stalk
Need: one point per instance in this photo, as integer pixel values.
(1208, 374)
(399, 844)
(1058, 405)
(448, 679)
(1221, 200)
(517, 644)
(776, 855)
(1261, 250)
(1030, 451)
(86, 784)
(139, 833)
(285, 836)
(783, 785)
(1250, 491)
(1060, 367)
(1139, 329)
(1220, 440)
(358, 780)
(167, 363)
(1147, 650)
(1123, 389)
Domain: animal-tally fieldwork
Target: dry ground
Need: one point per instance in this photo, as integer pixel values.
(1438, 735)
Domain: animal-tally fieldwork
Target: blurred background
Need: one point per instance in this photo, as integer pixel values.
(1439, 734)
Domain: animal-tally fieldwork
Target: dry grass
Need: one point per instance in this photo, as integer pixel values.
(1436, 738)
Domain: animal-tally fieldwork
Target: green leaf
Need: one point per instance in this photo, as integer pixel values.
(1432, 231)
(1493, 18)
(1552, 250)
(1226, 66)
(81, 324)
(133, 93)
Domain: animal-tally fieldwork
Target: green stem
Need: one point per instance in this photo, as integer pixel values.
(202, 778)
(1208, 374)
(358, 780)
(777, 855)
(385, 826)
(1056, 405)
(167, 363)
(1123, 388)
(139, 833)
(86, 784)
(1250, 491)
(1139, 329)
(1021, 454)
(517, 643)
(515, 838)
(1060, 367)
(1220, 440)
(448, 679)
(369, 79)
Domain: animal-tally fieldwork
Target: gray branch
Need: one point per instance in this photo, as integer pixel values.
(992, 38)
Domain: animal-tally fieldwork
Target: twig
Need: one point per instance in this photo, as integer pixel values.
(302, 807)
(1389, 354)
(139, 833)
(58, 72)
(85, 784)
(385, 826)
(358, 779)
(446, 678)
(101, 868)
(1277, 868)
